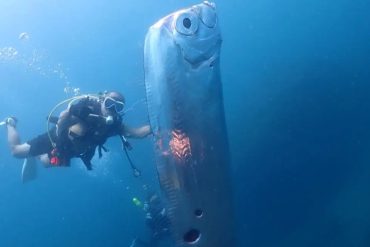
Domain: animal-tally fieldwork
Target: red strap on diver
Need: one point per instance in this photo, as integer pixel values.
(54, 159)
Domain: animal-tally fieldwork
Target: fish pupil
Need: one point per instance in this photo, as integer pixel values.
(187, 23)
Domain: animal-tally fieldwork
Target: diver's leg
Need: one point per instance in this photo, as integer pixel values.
(18, 150)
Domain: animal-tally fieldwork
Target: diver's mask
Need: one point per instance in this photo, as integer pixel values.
(112, 104)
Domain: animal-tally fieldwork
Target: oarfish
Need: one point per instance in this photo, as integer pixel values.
(186, 113)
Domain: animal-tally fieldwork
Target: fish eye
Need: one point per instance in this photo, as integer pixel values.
(187, 23)
(208, 14)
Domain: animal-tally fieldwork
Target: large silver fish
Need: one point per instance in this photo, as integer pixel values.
(185, 103)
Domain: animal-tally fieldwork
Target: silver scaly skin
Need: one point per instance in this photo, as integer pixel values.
(186, 112)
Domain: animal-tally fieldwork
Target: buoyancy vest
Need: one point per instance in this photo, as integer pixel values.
(88, 112)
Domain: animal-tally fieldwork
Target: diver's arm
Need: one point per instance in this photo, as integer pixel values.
(62, 121)
(73, 114)
(139, 132)
(65, 120)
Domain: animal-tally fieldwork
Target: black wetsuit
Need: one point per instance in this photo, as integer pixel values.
(88, 112)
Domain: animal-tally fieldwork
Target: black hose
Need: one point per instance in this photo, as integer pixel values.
(126, 145)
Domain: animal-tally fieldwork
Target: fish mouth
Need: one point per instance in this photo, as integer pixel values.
(195, 31)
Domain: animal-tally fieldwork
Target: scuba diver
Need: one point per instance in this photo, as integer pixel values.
(83, 127)
(156, 219)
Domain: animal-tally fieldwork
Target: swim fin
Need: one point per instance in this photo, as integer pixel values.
(29, 169)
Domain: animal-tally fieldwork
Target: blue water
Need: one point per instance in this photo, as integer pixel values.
(296, 90)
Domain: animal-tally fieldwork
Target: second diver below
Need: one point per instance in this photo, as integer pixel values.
(80, 129)
(158, 223)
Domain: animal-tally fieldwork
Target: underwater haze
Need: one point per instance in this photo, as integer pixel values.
(296, 81)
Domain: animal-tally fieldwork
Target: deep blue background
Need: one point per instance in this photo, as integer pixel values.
(296, 89)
